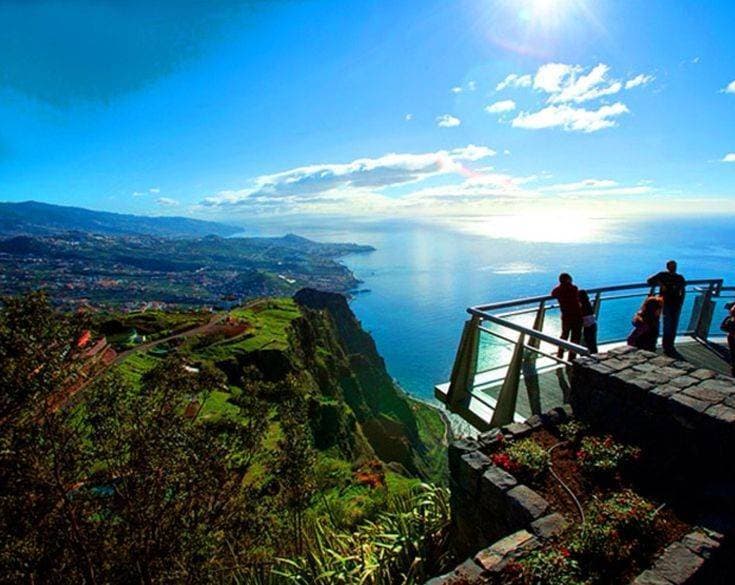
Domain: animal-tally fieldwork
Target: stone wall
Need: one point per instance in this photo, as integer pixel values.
(684, 418)
(682, 415)
(487, 502)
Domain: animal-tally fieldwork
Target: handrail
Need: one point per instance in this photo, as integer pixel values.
(617, 287)
(574, 347)
(526, 348)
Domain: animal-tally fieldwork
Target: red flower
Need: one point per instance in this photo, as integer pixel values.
(564, 552)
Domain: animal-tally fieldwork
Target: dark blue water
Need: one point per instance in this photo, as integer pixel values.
(422, 277)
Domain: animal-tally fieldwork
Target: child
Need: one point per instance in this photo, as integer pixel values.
(728, 326)
(645, 324)
(589, 322)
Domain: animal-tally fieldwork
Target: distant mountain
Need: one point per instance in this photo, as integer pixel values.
(40, 219)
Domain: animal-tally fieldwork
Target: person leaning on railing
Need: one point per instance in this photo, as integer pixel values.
(645, 324)
(728, 326)
(672, 287)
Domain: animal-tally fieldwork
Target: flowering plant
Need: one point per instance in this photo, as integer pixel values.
(524, 456)
(604, 455)
(615, 529)
(550, 566)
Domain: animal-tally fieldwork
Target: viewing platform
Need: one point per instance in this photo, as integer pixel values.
(506, 368)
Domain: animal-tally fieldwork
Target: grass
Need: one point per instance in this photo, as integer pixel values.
(269, 319)
(433, 432)
(135, 365)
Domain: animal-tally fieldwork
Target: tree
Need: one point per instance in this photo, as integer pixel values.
(116, 483)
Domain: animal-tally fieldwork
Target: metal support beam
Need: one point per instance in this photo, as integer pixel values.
(465, 364)
(506, 406)
(704, 309)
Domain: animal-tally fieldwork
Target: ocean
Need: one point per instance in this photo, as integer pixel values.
(422, 276)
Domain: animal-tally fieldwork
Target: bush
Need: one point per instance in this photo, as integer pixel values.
(525, 457)
(615, 529)
(552, 566)
(604, 456)
(572, 431)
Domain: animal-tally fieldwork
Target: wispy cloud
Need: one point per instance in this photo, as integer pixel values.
(446, 183)
(641, 79)
(500, 107)
(567, 83)
(154, 190)
(167, 202)
(729, 88)
(514, 80)
(729, 157)
(571, 118)
(447, 121)
(566, 87)
(469, 86)
(334, 180)
(408, 117)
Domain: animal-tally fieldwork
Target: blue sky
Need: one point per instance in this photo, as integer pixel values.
(272, 111)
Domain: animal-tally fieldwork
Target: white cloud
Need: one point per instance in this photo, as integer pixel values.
(500, 107)
(469, 86)
(565, 83)
(565, 87)
(570, 118)
(330, 180)
(138, 193)
(408, 117)
(514, 80)
(154, 190)
(729, 157)
(447, 121)
(167, 202)
(640, 79)
(729, 88)
(584, 184)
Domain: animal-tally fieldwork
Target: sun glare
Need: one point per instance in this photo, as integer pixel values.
(544, 12)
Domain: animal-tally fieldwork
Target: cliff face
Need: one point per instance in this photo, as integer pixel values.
(356, 412)
(345, 361)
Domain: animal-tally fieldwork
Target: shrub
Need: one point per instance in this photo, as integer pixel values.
(525, 456)
(572, 431)
(615, 529)
(551, 566)
(603, 455)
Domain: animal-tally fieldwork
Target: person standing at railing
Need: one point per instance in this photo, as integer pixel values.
(728, 326)
(571, 311)
(672, 287)
(645, 325)
(589, 322)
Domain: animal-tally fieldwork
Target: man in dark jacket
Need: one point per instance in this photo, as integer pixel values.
(672, 287)
(571, 311)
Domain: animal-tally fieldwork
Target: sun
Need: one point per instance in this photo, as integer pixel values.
(546, 12)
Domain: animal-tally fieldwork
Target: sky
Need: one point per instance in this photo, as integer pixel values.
(277, 111)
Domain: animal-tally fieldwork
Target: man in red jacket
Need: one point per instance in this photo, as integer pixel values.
(571, 311)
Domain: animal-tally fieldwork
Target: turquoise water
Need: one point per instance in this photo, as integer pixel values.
(421, 277)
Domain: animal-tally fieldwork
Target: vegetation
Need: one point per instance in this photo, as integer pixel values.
(118, 270)
(524, 457)
(250, 466)
(604, 455)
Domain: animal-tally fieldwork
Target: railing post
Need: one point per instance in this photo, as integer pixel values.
(505, 407)
(596, 305)
(538, 325)
(704, 309)
(465, 364)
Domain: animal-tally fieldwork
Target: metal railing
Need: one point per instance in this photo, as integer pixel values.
(505, 341)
